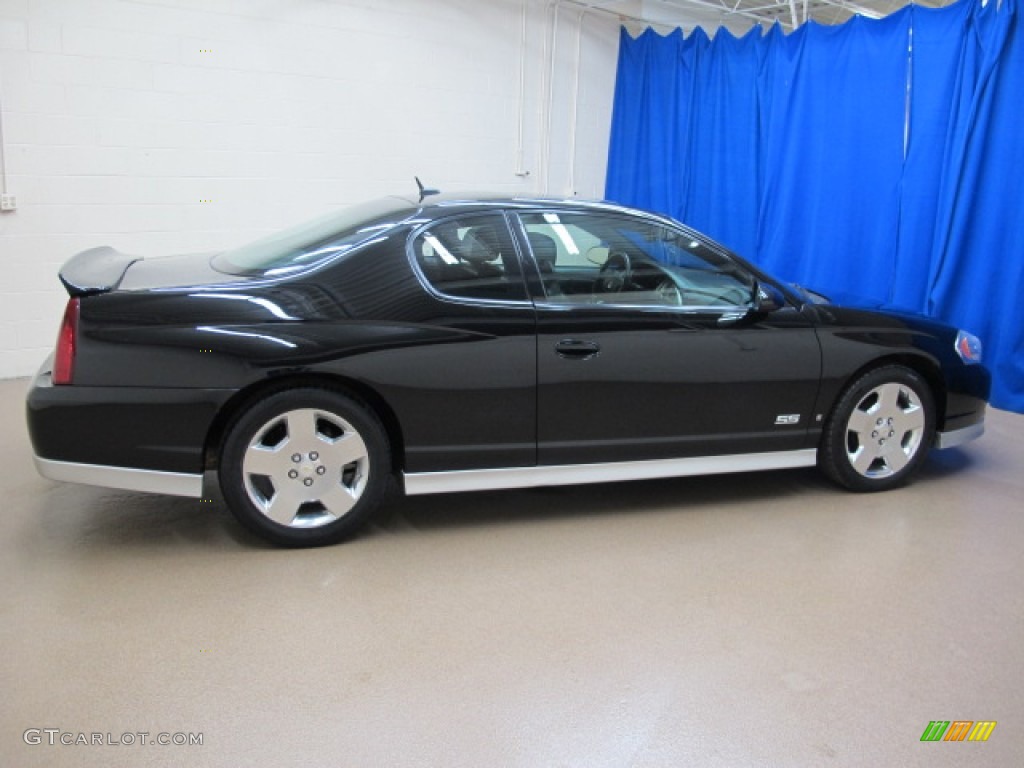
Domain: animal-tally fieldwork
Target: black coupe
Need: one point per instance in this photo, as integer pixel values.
(466, 344)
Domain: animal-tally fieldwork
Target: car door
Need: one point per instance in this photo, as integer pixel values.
(468, 399)
(646, 348)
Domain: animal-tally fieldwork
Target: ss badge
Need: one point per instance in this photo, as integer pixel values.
(787, 418)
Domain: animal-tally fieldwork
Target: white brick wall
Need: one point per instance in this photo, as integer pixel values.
(119, 116)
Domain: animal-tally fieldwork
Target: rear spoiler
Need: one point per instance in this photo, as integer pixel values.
(96, 270)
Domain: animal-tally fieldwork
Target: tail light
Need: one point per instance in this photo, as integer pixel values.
(67, 340)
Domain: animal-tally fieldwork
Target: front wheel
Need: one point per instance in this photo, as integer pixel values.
(304, 467)
(880, 430)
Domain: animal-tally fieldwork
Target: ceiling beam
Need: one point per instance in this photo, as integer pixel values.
(757, 11)
(870, 13)
(718, 8)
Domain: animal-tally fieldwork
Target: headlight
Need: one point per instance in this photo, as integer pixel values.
(968, 346)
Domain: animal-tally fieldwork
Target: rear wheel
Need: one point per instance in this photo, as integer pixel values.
(880, 430)
(304, 467)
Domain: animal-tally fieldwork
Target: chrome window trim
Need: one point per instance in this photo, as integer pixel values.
(659, 308)
(125, 478)
(556, 204)
(544, 302)
(418, 483)
(959, 436)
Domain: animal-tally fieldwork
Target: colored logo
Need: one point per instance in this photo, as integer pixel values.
(958, 730)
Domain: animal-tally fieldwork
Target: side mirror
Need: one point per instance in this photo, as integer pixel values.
(767, 299)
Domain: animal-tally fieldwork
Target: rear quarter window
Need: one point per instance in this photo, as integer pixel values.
(471, 257)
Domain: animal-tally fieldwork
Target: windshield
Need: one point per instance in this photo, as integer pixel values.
(310, 242)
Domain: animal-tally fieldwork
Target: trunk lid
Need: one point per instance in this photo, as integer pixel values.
(105, 269)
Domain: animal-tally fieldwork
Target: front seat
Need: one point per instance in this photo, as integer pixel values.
(481, 249)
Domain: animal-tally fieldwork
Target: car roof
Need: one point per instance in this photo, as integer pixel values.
(456, 203)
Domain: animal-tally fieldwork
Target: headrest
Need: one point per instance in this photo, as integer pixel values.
(544, 248)
(480, 245)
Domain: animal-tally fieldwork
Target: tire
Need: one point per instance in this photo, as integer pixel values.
(305, 467)
(879, 433)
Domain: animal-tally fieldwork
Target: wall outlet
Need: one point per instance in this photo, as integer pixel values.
(8, 202)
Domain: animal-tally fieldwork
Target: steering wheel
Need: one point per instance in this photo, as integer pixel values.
(615, 273)
(670, 293)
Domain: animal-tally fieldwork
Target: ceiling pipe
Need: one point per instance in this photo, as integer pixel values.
(521, 140)
(3, 162)
(549, 108)
(574, 120)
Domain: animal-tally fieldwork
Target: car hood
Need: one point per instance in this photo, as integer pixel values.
(853, 311)
(856, 302)
(837, 298)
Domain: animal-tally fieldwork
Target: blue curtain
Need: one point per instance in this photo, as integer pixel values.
(834, 151)
(883, 159)
(722, 185)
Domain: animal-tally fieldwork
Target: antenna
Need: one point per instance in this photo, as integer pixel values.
(424, 192)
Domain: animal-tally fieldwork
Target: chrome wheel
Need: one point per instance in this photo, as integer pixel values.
(305, 468)
(885, 430)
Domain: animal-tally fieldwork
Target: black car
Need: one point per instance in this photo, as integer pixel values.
(469, 344)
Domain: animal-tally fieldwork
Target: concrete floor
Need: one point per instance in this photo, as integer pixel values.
(755, 620)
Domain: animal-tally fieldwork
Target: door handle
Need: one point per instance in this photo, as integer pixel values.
(577, 349)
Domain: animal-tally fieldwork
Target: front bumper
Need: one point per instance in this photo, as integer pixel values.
(960, 436)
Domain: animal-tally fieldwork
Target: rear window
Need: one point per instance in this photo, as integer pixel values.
(311, 242)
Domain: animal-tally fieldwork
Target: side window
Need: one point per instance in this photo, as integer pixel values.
(587, 258)
(471, 257)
